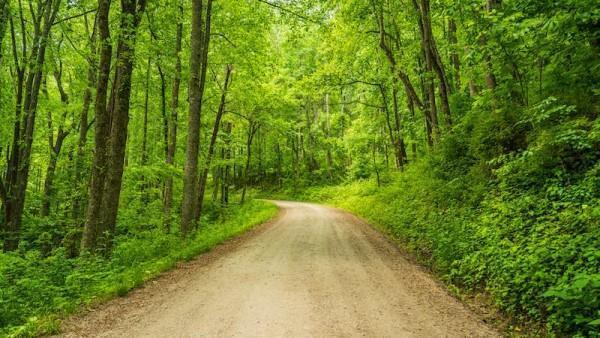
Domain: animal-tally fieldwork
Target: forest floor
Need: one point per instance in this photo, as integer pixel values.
(312, 271)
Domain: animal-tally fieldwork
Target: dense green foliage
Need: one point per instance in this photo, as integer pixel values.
(468, 129)
(33, 286)
(522, 226)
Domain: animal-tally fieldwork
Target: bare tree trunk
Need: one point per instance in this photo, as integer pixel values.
(111, 125)
(213, 141)
(132, 11)
(226, 175)
(145, 156)
(93, 225)
(4, 13)
(328, 145)
(198, 64)
(433, 59)
(400, 146)
(172, 147)
(84, 127)
(454, 58)
(490, 77)
(145, 122)
(392, 135)
(55, 147)
(252, 129)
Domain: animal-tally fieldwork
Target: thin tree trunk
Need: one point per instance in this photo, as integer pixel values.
(490, 77)
(55, 147)
(226, 175)
(84, 127)
(252, 129)
(145, 156)
(433, 59)
(213, 141)
(400, 146)
(4, 13)
(145, 122)
(172, 147)
(198, 64)
(454, 58)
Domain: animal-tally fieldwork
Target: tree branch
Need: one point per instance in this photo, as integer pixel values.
(283, 9)
(74, 16)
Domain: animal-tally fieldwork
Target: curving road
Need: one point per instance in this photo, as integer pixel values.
(313, 271)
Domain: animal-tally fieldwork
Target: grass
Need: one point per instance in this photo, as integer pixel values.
(36, 292)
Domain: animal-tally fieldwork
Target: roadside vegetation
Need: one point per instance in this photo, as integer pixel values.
(38, 289)
(133, 132)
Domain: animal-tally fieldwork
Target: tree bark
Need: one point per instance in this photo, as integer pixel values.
(198, 64)
(4, 13)
(131, 15)
(93, 224)
(454, 58)
(172, 130)
(226, 171)
(252, 129)
(111, 125)
(490, 77)
(145, 122)
(433, 59)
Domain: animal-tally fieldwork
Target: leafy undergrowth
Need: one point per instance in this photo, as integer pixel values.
(35, 291)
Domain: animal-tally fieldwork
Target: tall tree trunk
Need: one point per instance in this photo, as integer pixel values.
(390, 131)
(226, 175)
(490, 77)
(145, 122)
(211, 146)
(54, 146)
(132, 11)
(400, 146)
(93, 224)
(111, 124)
(84, 127)
(145, 156)
(13, 187)
(327, 136)
(432, 57)
(411, 93)
(454, 58)
(172, 147)
(198, 64)
(4, 13)
(252, 129)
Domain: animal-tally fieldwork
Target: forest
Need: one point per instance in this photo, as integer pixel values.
(135, 134)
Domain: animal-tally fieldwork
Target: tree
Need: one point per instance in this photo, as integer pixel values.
(213, 141)
(198, 65)
(172, 129)
(111, 138)
(29, 65)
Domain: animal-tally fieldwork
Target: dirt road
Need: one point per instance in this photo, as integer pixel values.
(314, 271)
